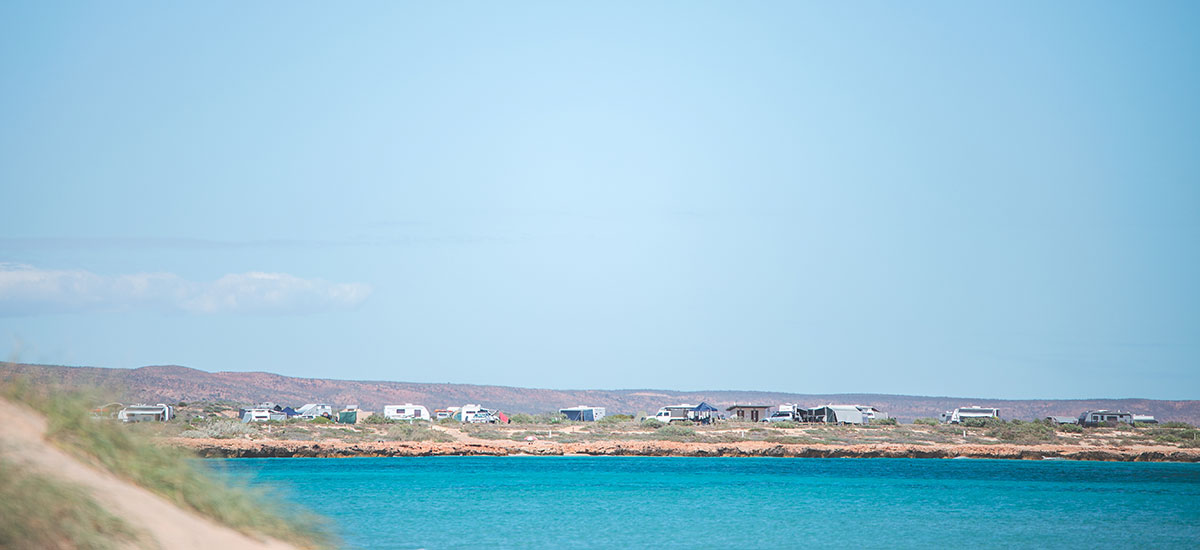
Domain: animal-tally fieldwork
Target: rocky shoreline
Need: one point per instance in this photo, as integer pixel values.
(241, 448)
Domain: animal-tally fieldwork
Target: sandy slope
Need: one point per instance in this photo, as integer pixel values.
(22, 439)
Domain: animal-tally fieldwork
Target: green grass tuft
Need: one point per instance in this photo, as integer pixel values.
(41, 512)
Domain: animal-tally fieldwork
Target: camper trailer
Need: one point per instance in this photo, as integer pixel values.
(261, 414)
(407, 411)
(1106, 417)
(968, 413)
(583, 413)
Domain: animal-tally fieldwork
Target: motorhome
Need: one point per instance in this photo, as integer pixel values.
(1106, 417)
(407, 411)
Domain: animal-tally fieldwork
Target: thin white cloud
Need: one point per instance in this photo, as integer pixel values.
(27, 290)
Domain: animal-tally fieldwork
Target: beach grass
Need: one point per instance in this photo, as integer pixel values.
(173, 473)
(37, 511)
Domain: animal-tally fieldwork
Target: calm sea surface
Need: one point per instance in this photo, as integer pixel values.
(650, 502)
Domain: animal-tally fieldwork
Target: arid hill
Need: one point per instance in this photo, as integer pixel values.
(174, 383)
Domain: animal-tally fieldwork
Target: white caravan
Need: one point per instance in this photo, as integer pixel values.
(967, 413)
(262, 415)
(313, 410)
(407, 411)
(143, 413)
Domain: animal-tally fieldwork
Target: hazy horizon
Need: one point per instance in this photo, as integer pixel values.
(873, 198)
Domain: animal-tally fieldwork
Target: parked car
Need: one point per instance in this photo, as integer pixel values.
(780, 416)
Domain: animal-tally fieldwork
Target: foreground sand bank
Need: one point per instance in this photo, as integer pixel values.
(23, 439)
(241, 448)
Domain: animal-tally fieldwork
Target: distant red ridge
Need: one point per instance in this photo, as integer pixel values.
(174, 383)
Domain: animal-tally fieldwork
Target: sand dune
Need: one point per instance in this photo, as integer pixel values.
(22, 439)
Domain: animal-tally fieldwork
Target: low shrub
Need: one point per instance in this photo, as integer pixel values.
(1070, 428)
(377, 418)
(675, 433)
(652, 423)
(521, 418)
(219, 429)
(415, 432)
(321, 420)
(615, 419)
(784, 424)
(885, 422)
(1175, 425)
(927, 421)
(981, 422)
(1018, 431)
(1178, 435)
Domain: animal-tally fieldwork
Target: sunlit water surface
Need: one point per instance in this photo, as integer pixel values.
(653, 502)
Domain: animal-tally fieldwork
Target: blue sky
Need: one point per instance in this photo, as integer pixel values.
(943, 198)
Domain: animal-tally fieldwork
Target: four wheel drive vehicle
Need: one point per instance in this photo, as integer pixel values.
(780, 417)
(664, 416)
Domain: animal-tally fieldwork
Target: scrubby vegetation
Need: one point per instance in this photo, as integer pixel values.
(218, 429)
(377, 418)
(544, 418)
(980, 422)
(1022, 432)
(926, 421)
(168, 471)
(674, 432)
(1177, 433)
(415, 431)
(40, 512)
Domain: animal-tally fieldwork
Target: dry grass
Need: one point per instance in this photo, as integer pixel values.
(170, 472)
(40, 512)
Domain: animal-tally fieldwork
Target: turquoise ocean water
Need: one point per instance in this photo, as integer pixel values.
(652, 502)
